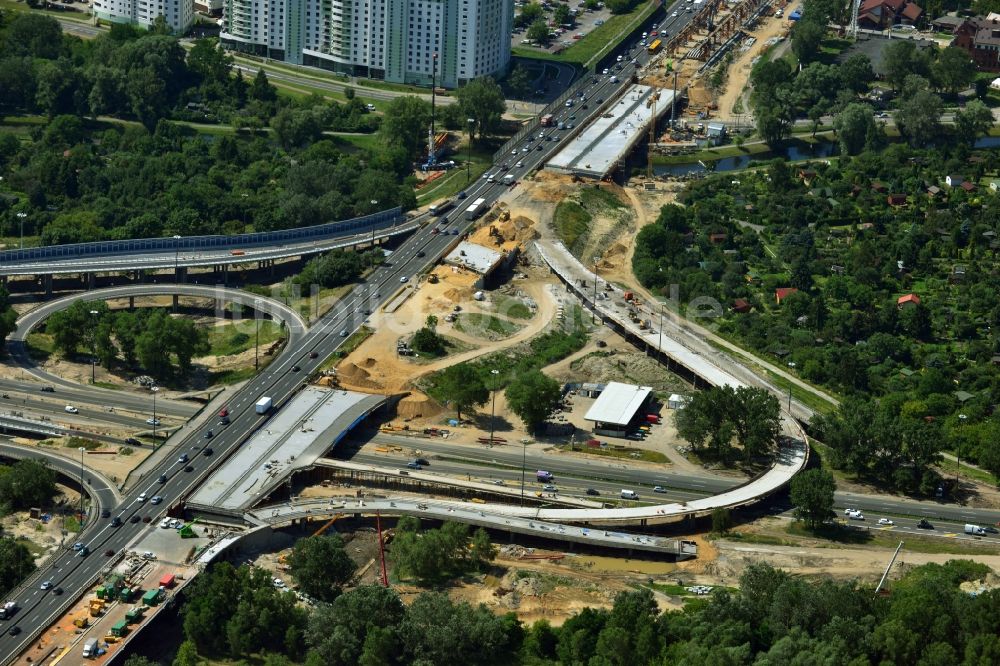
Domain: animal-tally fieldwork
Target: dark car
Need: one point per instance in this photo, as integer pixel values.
(421, 461)
(207, 452)
(135, 519)
(163, 478)
(147, 519)
(592, 491)
(14, 631)
(586, 106)
(600, 100)
(209, 434)
(420, 253)
(313, 354)
(105, 513)
(924, 524)
(189, 469)
(132, 441)
(462, 194)
(48, 389)
(295, 368)
(109, 553)
(116, 521)
(57, 591)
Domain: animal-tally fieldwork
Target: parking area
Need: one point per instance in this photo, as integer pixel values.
(581, 23)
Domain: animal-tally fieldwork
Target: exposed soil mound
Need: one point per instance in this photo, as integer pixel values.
(416, 406)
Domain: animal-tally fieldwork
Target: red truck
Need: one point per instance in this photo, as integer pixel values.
(547, 120)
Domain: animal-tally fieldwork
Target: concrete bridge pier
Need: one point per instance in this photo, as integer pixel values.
(47, 284)
(175, 301)
(180, 275)
(131, 303)
(89, 280)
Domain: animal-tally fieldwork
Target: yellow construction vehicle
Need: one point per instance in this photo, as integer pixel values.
(81, 621)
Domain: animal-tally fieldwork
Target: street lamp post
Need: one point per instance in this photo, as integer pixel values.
(21, 216)
(958, 449)
(82, 451)
(93, 350)
(177, 249)
(154, 390)
(468, 165)
(256, 349)
(659, 344)
(493, 409)
(595, 293)
(374, 202)
(524, 456)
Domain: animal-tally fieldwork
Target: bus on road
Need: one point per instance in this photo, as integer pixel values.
(655, 46)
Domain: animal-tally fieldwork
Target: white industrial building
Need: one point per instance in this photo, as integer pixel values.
(179, 14)
(394, 40)
(616, 409)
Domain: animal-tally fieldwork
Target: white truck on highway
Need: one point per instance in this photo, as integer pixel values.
(90, 648)
(476, 209)
(974, 529)
(263, 405)
(7, 610)
(508, 179)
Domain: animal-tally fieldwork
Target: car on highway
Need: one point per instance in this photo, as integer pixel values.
(857, 515)
(132, 441)
(404, 279)
(182, 459)
(421, 253)
(413, 464)
(885, 521)
(592, 491)
(48, 389)
(313, 354)
(141, 497)
(135, 519)
(549, 488)
(462, 194)
(208, 451)
(57, 591)
(519, 165)
(189, 468)
(659, 489)
(105, 513)
(152, 422)
(46, 585)
(14, 631)
(156, 499)
(209, 434)
(343, 333)
(163, 478)
(618, 59)
(116, 521)
(295, 368)
(924, 524)
(78, 545)
(70, 409)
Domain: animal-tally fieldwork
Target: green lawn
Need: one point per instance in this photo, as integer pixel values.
(237, 337)
(598, 42)
(572, 223)
(79, 17)
(511, 307)
(480, 325)
(626, 454)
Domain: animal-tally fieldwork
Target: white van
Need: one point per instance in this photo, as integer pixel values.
(630, 494)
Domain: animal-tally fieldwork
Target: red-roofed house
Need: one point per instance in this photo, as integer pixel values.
(979, 36)
(907, 300)
(781, 293)
(880, 14)
(968, 187)
(740, 305)
(896, 199)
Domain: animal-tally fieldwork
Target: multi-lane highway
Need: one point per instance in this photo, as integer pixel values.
(278, 380)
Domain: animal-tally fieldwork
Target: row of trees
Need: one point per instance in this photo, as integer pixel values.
(26, 484)
(161, 345)
(720, 417)
(773, 618)
(435, 555)
(337, 268)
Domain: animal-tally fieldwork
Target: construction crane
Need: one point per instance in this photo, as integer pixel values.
(652, 133)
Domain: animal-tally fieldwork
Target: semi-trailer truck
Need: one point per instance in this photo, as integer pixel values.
(263, 405)
(439, 209)
(476, 209)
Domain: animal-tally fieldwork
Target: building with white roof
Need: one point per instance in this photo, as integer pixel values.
(617, 407)
(396, 40)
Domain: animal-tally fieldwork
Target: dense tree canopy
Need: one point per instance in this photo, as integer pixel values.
(26, 484)
(533, 396)
(321, 566)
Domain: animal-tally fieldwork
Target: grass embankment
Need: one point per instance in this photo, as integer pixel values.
(237, 337)
(597, 43)
(459, 179)
(511, 307)
(572, 219)
(626, 453)
(480, 325)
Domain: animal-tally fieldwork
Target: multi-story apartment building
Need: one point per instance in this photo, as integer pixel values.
(179, 14)
(394, 40)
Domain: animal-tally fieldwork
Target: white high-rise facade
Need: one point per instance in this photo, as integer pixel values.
(179, 14)
(394, 40)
